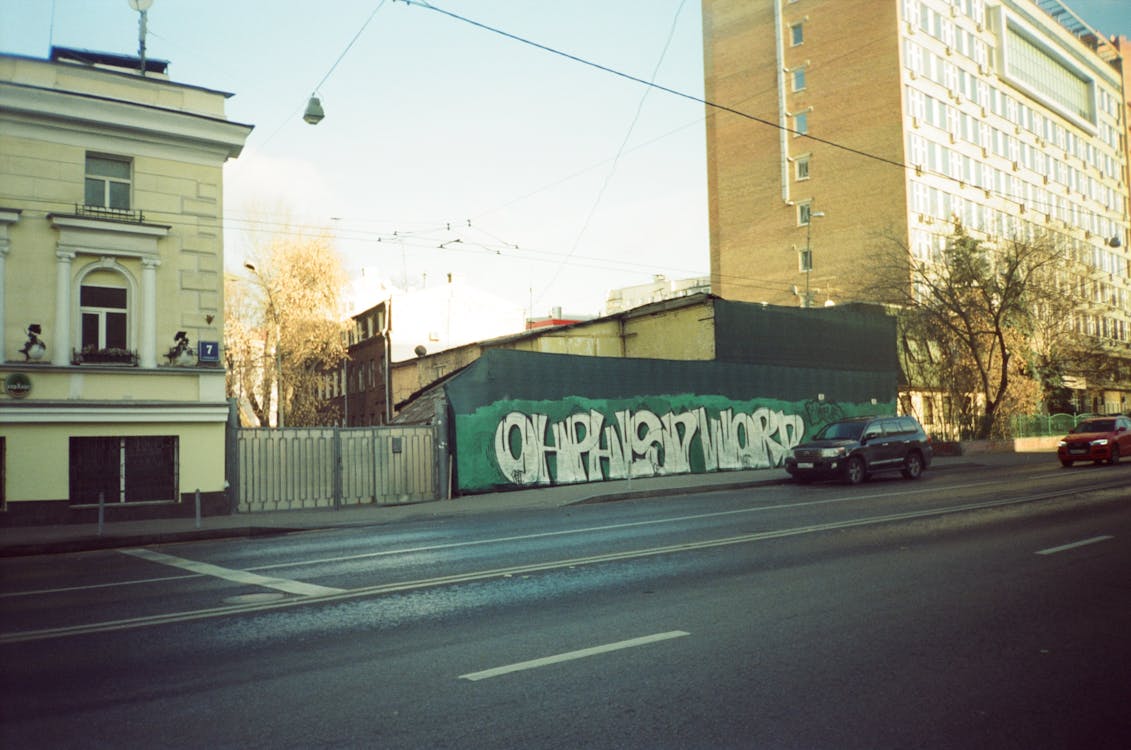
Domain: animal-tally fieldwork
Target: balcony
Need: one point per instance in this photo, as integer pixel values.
(124, 215)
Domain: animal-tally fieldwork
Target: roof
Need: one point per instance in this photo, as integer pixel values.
(91, 57)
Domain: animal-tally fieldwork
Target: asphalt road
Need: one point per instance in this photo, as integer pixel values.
(971, 609)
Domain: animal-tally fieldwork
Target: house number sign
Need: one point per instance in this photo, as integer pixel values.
(208, 351)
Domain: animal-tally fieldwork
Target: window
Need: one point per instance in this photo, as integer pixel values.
(798, 79)
(801, 123)
(801, 167)
(123, 469)
(107, 182)
(1031, 63)
(796, 34)
(804, 214)
(103, 310)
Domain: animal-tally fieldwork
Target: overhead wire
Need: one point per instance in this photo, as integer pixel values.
(714, 105)
(326, 77)
(616, 159)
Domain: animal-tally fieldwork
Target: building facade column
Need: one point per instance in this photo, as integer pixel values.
(147, 346)
(60, 341)
(8, 217)
(3, 296)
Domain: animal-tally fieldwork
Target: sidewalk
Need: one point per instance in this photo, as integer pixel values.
(36, 540)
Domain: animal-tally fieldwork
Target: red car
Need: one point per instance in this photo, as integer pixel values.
(1097, 439)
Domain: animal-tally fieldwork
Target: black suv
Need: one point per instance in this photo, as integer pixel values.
(851, 449)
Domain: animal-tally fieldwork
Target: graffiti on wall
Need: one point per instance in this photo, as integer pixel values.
(530, 449)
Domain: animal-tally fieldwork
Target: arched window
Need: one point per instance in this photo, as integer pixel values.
(103, 309)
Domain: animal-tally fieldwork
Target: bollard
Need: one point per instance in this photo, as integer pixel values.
(101, 511)
(198, 507)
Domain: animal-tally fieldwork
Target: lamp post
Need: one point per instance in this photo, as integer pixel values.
(807, 256)
(278, 362)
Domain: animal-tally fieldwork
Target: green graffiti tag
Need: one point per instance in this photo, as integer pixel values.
(639, 444)
(520, 443)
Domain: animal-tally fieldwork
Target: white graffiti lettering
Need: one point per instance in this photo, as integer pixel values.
(583, 448)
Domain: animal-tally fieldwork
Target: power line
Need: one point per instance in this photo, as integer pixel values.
(1019, 200)
(652, 84)
(620, 152)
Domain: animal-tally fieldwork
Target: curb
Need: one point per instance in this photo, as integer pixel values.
(89, 543)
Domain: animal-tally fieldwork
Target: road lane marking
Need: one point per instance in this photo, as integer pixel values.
(572, 655)
(1074, 545)
(485, 575)
(605, 527)
(229, 574)
(92, 586)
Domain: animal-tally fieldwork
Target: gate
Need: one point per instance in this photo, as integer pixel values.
(331, 467)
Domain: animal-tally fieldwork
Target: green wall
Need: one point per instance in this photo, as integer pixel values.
(523, 419)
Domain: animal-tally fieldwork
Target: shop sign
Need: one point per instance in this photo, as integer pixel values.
(17, 385)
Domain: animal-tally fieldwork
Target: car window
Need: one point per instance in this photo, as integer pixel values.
(1096, 425)
(841, 431)
(878, 428)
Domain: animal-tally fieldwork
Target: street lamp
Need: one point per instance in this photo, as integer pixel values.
(278, 362)
(806, 260)
(314, 112)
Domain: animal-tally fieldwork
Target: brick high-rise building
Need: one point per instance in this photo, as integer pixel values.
(855, 122)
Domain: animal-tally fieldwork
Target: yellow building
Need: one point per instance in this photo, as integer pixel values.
(858, 122)
(111, 288)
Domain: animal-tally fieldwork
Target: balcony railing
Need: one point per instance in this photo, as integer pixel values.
(114, 214)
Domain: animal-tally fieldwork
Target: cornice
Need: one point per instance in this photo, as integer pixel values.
(114, 412)
(64, 109)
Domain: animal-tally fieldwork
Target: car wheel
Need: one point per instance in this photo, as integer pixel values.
(1114, 454)
(913, 466)
(854, 470)
(1066, 464)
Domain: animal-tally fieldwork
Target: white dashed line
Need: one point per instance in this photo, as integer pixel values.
(571, 655)
(239, 576)
(1073, 545)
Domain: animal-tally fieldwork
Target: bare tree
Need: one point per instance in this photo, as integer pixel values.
(285, 329)
(989, 324)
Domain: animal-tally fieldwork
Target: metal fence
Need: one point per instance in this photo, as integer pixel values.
(330, 467)
(1046, 425)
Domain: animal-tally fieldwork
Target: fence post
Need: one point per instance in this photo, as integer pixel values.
(441, 466)
(198, 507)
(336, 459)
(101, 511)
(231, 457)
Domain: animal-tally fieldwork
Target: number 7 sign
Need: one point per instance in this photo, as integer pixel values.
(208, 351)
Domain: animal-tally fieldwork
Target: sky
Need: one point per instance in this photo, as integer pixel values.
(448, 148)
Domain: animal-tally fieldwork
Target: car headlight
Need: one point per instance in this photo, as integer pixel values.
(1101, 441)
(1062, 444)
(832, 452)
